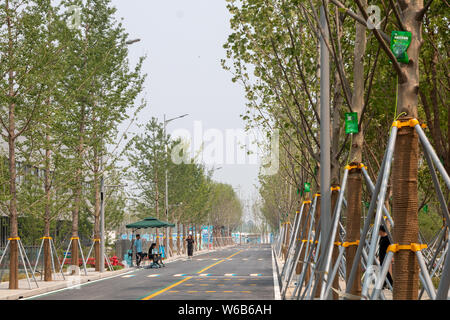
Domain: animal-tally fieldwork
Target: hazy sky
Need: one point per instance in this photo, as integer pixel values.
(183, 41)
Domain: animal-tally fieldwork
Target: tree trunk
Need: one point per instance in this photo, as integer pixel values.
(47, 187)
(354, 189)
(157, 237)
(184, 238)
(14, 233)
(14, 258)
(78, 192)
(304, 226)
(334, 198)
(178, 239)
(405, 208)
(405, 165)
(316, 222)
(98, 258)
(354, 198)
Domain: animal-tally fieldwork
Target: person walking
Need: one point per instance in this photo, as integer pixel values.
(138, 246)
(190, 246)
(384, 244)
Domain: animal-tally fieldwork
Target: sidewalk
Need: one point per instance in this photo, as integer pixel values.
(291, 288)
(49, 286)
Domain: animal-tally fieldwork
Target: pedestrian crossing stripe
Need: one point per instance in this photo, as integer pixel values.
(230, 274)
(179, 275)
(129, 276)
(255, 275)
(153, 275)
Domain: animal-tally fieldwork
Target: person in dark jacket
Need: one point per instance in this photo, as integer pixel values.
(154, 255)
(190, 246)
(384, 244)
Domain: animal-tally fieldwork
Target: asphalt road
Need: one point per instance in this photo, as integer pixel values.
(237, 273)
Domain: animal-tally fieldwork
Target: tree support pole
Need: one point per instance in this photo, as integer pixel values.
(381, 197)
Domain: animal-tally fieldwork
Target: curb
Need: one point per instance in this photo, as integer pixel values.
(61, 284)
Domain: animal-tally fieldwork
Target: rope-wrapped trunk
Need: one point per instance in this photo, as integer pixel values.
(405, 209)
(316, 228)
(304, 226)
(354, 198)
(334, 198)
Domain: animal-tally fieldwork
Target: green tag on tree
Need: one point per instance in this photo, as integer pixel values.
(366, 204)
(400, 41)
(425, 208)
(351, 122)
(307, 187)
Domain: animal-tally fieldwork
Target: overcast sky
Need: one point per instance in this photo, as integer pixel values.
(183, 41)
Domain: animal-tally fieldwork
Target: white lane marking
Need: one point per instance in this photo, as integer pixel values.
(153, 275)
(179, 275)
(245, 259)
(199, 259)
(129, 276)
(230, 274)
(260, 259)
(214, 259)
(276, 287)
(204, 274)
(255, 275)
(75, 286)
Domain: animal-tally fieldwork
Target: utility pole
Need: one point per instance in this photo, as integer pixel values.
(325, 170)
(102, 203)
(166, 242)
(102, 224)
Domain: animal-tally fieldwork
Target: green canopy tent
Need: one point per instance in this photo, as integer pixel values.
(149, 222)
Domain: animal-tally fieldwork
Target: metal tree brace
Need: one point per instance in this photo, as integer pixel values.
(105, 256)
(379, 196)
(81, 250)
(24, 258)
(53, 253)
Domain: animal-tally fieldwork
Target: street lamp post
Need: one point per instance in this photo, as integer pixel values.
(102, 221)
(102, 225)
(166, 243)
(102, 203)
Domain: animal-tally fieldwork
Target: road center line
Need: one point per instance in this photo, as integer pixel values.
(216, 263)
(187, 278)
(165, 289)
